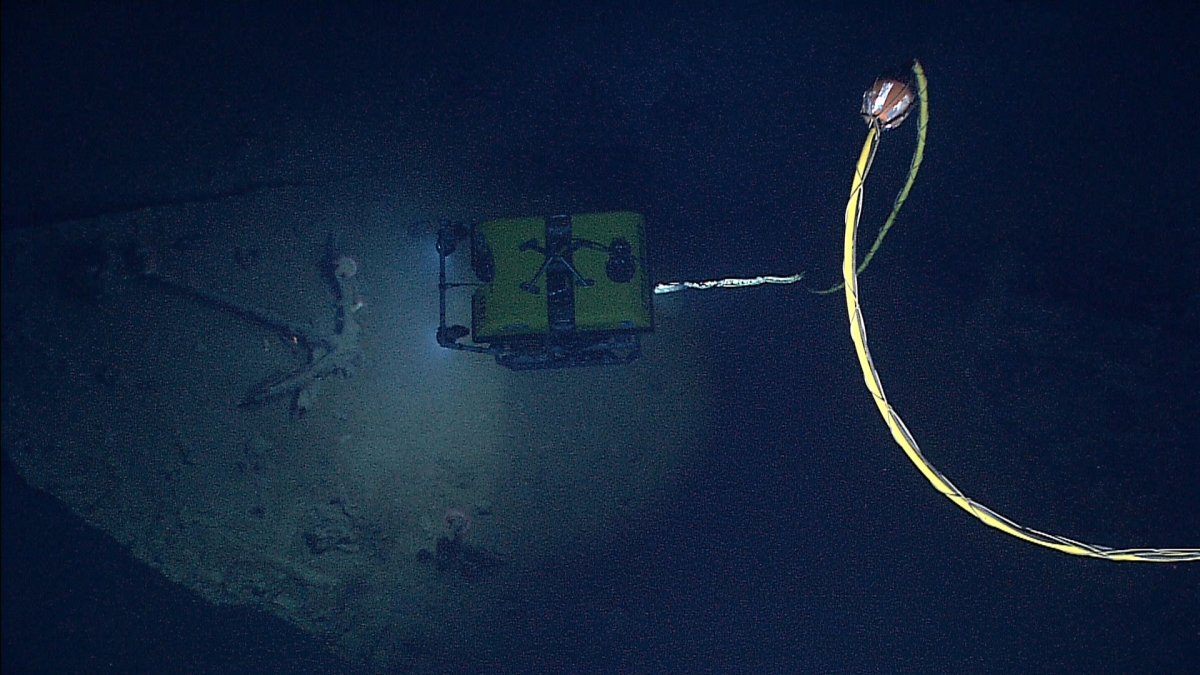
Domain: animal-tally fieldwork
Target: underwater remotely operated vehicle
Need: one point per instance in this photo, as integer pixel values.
(551, 292)
(559, 291)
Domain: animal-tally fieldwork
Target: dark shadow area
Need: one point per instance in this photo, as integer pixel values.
(75, 601)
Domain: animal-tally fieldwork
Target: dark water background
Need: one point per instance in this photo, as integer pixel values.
(1063, 143)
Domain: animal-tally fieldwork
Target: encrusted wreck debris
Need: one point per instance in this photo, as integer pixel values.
(337, 353)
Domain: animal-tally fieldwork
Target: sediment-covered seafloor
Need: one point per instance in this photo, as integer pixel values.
(166, 377)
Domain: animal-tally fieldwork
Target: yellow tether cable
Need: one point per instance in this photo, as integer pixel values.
(900, 433)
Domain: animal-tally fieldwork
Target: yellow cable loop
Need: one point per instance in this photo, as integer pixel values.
(900, 433)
